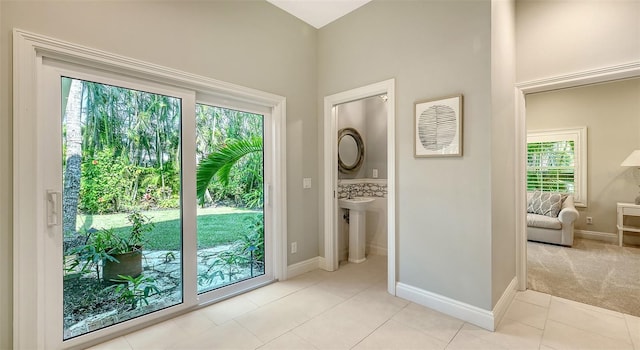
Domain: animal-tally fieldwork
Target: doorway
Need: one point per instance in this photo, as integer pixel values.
(606, 74)
(609, 111)
(331, 209)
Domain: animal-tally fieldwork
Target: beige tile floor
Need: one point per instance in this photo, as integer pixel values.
(350, 309)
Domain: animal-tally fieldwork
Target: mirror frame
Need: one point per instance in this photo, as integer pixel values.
(342, 167)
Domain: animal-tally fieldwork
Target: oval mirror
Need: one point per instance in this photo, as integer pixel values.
(350, 150)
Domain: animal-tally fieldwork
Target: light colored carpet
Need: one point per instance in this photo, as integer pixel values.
(590, 272)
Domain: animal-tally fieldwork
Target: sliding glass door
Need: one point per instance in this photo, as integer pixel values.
(109, 231)
(233, 175)
(155, 203)
(230, 189)
(121, 201)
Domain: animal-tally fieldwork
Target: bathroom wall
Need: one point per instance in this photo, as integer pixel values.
(376, 125)
(352, 115)
(369, 117)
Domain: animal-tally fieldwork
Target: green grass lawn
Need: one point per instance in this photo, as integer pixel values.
(216, 226)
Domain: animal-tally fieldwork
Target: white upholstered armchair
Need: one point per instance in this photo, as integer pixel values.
(544, 226)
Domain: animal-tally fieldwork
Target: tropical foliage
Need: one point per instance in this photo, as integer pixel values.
(131, 151)
(225, 135)
(219, 164)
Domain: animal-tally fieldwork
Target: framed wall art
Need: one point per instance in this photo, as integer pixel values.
(438, 127)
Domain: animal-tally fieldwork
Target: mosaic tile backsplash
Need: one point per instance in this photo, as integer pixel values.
(362, 188)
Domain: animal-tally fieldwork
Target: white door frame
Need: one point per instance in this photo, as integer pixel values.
(30, 204)
(618, 72)
(331, 174)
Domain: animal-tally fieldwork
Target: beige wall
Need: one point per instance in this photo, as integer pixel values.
(432, 49)
(611, 113)
(253, 44)
(503, 176)
(566, 36)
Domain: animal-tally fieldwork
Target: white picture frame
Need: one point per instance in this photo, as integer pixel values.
(438, 127)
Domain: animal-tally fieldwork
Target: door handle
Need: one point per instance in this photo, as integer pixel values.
(267, 194)
(54, 208)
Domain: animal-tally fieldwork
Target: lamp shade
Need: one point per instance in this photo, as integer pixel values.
(633, 159)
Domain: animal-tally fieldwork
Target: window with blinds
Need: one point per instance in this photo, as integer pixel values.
(556, 162)
(551, 166)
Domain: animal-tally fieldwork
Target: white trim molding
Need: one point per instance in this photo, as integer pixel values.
(331, 174)
(303, 267)
(595, 76)
(521, 191)
(376, 249)
(480, 317)
(597, 236)
(607, 237)
(322, 263)
(472, 314)
(501, 307)
(600, 75)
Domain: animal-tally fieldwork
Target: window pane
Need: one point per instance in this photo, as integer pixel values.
(121, 199)
(229, 151)
(551, 166)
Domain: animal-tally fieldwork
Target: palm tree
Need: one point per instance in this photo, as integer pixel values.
(73, 156)
(220, 162)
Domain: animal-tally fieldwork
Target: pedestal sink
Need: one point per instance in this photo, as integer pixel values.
(357, 225)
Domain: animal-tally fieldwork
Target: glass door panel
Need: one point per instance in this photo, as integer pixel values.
(122, 218)
(230, 189)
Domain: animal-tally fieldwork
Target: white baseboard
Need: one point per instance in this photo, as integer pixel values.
(303, 266)
(503, 303)
(607, 237)
(375, 249)
(322, 263)
(597, 236)
(472, 314)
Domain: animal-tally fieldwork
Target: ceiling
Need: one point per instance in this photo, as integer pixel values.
(318, 13)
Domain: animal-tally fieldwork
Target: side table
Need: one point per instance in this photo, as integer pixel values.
(626, 209)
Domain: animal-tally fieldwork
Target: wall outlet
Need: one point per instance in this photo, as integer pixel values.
(375, 173)
(589, 220)
(294, 247)
(306, 182)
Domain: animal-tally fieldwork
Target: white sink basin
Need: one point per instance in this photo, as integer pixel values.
(357, 203)
(357, 226)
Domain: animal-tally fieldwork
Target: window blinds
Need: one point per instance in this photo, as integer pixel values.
(551, 166)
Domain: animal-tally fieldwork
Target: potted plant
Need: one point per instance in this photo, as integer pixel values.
(127, 252)
(117, 255)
